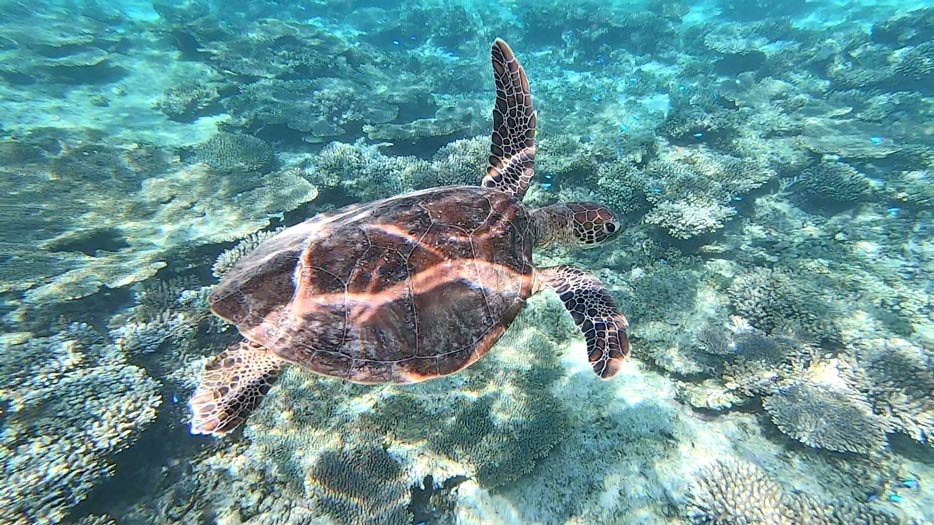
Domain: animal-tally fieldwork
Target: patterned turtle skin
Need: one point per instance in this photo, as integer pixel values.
(393, 291)
(411, 287)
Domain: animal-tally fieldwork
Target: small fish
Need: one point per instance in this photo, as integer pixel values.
(894, 498)
(876, 140)
(893, 212)
(395, 42)
(549, 176)
(546, 185)
(174, 399)
(910, 483)
(698, 135)
(595, 98)
(623, 128)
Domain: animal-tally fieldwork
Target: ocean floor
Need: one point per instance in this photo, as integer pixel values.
(770, 163)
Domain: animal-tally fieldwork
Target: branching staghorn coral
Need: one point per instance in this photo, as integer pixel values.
(363, 172)
(693, 190)
(461, 162)
(899, 380)
(822, 417)
(362, 485)
(733, 492)
(691, 125)
(772, 300)
(620, 186)
(74, 404)
(502, 438)
(187, 102)
(835, 182)
(566, 156)
(228, 258)
(166, 311)
(230, 152)
(734, 38)
(737, 492)
(316, 109)
(684, 220)
(760, 363)
(916, 67)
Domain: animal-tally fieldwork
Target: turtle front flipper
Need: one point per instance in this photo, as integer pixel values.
(512, 152)
(599, 319)
(234, 383)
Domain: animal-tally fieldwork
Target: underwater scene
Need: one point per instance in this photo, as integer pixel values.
(424, 262)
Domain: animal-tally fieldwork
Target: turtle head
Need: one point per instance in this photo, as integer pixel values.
(592, 224)
(583, 224)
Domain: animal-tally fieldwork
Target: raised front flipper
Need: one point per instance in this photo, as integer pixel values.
(512, 152)
(234, 383)
(599, 319)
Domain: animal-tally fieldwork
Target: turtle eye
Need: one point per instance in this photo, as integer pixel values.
(609, 227)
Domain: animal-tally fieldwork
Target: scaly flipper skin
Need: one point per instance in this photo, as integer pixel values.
(512, 152)
(234, 383)
(596, 315)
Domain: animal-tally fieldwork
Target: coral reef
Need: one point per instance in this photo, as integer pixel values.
(228, 152)
(502, 452)
(772, 300)
(364, 173)
(905, 29)
(737, 492)
(684, 220)
(916, 66)
(166, 312)
(824, 418)
(129, 228)
(834, 182)
(228, 258)
(899, 378)
(363, 485)
(462, 162)
(188, 102)
(74, 402)
(620, 187)
(317, 109)
(770, 160)
(693, 190)
(53, 49)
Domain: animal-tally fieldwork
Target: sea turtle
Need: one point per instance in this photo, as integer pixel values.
(412, 287)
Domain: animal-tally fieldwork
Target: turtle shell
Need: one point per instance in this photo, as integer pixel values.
(398, 290)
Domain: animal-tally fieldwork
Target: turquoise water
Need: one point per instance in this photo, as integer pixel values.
(769, 165)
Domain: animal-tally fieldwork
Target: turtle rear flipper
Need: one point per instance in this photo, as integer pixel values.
(234, 383)
(596, 315)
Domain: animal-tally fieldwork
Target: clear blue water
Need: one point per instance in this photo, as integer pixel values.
(769, 168)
